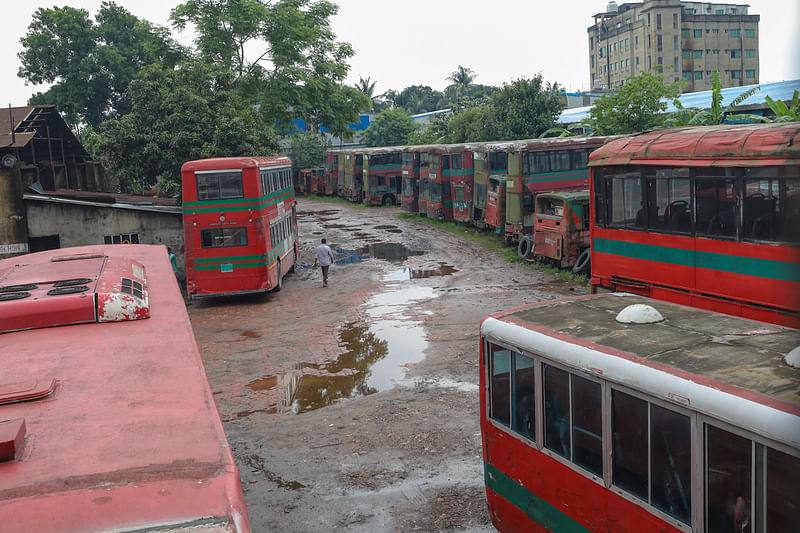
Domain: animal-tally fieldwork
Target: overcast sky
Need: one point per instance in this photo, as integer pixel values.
(421, 42)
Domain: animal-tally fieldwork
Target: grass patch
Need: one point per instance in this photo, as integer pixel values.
(496, 243)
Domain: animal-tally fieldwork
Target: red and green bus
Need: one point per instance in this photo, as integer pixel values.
(383, 175)
(461, 173)
(351, 174)
(240, 230)
(616, 412)
(409, 195)
(331, 173)
(703, 216)
(108, 420)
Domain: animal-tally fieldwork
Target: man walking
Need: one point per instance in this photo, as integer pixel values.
(324, 259)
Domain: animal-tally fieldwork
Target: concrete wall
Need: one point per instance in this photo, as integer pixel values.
(79, 224)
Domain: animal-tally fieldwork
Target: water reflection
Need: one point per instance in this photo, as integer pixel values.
(421, 273)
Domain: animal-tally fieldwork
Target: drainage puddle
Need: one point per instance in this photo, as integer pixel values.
(420, 273)
(382, 250)
(376, 357)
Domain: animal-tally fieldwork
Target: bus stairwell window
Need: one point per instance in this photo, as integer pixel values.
(671, 463)
(629, 444)
(524, 397)
(499, 385)
(728, 481)
(556, 410)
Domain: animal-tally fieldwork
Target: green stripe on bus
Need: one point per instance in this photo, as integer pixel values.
(234, 266)
(458, 171)
(229, 203)
(557, 176)
(733, 264)
(537, 509)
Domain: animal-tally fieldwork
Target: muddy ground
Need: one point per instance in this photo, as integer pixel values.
(355, 406)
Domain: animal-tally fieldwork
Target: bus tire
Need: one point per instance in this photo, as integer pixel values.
(583, 264)
(525, 247)
(279, 283)
(388, 199)
(294, 263)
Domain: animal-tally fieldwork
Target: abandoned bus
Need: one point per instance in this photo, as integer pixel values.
(382, 175)
(351, 165)
(409, 196)
(544, 165)
(704, 216)
(331, 172)
(107, 420)
(616, 412)
(240, 232)
(491, 169)
(461, 174)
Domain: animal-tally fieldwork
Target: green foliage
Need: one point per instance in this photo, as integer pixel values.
(90, 63)
(307, 149)
(391, 128)
(435, 133)
(523, 109)
(419, 99)
(469, 125)
(178, 115)
(784, 113)
(638, 105)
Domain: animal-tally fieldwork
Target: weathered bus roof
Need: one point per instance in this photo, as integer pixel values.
(225, 163)
(687, 355)
(130, 436)
(556, 143)
(726, 145)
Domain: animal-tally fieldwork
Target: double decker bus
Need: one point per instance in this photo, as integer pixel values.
(461, 173)
(331, 173)
(240, 229)
(616, 412)
(107, 420)
(382, 171)
(491, 170)
(351, 174)
(544, 165)
(704, 216)
(409, 195)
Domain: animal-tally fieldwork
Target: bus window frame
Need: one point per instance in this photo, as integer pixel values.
(217, 174)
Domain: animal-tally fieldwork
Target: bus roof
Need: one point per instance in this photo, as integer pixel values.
(685, 356)
(227, 163)
(562, 143)
(130, 421)
(726, 145)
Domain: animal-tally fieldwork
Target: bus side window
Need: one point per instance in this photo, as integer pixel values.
(524, 397)
(556, 410)
(671, 462)
(499, 384)
(587, 424)
(629, 443)
(716, 207)
(781, 512)
(728, 480)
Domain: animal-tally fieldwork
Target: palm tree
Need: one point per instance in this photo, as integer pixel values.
(366, 87)
(462, 77)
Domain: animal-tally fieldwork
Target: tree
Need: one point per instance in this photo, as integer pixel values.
(469, 125)
(462, 77)
(419, 99)
(523, 109)
(437, 132)
(366, 86)
(638, 105)
(177, 115)
(90, 64)
(391, 128)
(784, 113)
(307, 149)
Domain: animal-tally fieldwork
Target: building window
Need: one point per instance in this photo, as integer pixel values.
(686, 54)
(698, 33)
(689, 11)
(715, 51)
(649, 41)
(602, 51)
(715, 30)
(658, 21)
(591, 43)
(736, 53)
(686, 75)
(123, 238)
(627, 21)
(637, 60)
(736, 74)
(749, 33)
(591, 60)
(698, 54)
(698, 74)
(749, 53)
(686, 33)
(736, 33)
(675, 21)
(636, 40)
(719, 12)
(627, 42)
(750, 74)
(675, 42)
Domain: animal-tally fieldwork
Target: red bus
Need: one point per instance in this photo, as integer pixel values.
(108, 421)
(351, 175)
(331, 172)
(435, 200)
(597, 415)
(461, 173)
(240, 229)
(409, 196)
(491, 170)
(383, 177)
(704, 216)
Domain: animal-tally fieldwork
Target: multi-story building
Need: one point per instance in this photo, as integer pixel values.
(686, 40)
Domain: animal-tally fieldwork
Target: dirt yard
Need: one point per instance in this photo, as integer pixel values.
(355, 406)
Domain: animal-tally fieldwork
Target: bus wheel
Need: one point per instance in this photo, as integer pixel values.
(525, 248)
(279, 284)
(294, 263)
(388, 199)
(583, 264)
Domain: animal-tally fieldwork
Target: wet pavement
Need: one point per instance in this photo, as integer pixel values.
(356, 405)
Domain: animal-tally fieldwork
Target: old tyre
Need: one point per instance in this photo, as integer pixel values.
(582, 265)
(279, 284)
(525, 248)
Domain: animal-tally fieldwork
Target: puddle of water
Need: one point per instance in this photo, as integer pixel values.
(385, 226)
(389, 251)
(333, 226)
(376, 357)
(394, 230)
(420, 273)
(251, 334)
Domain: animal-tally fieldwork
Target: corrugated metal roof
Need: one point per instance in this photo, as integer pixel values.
(782, 90)
(10, 118)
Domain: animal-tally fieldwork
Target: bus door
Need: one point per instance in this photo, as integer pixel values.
(495, 203)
